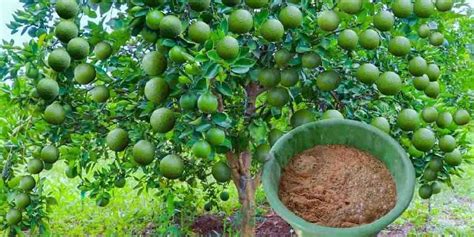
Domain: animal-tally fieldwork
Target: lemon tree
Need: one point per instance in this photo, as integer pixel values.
(183, 95)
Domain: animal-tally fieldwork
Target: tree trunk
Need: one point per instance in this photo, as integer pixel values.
(246, 186)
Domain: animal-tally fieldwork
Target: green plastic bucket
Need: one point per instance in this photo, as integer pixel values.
(347, 132)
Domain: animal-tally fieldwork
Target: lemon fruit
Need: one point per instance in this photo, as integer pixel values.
(417, 66)
(462, 117)
(350, 6)
(277, 96)
(188, 102)
(177, 54)
(402, 8)
(102, 50)
(231, 3)
(47, 89)
(199, 32)
(290, 17)
(436, 39)
(67, 9)
(143, 152)
(117, 139)
(156, 90)
(228, 48)
(332, 114)
(255, 4)
(224, 196)
(429, 114)
(289, 77)
(328, 20)
(35, 166)
(311, 60)
(199, 5)
(348, 39)
(201, 149)
(328, 80)
(99, 94)
(429, 175)
(240, 21)
(84, 73)
(433, 72)
(432, 90)
(66, 30)
(170, 26)
(435, 164)
(221, 172)
(78, 48)
(207, 103)
(447, 143)
(148, 35)
(423, 8)
(369, 39)
(423, 139)
(444, 120)
(453, 158)
(27, 183)
(269, 77)
(384, 20)
(215, 136)
(389, 83)
(367, 73)
(49, 154)
(13, 217)
(301, 117)
(54, 114)
(22, 200)
(381, 123)
(154, 63)
(274, 135)
(153, 19)
(420, 83)
(444, 5)
(171, 167)
(399, 46)
(408, 119)
(59, 60)
(282, 57)
(162, 120)
(425, 191)
(424, 31)
(261, 152)
(272, 30)
(436, 187)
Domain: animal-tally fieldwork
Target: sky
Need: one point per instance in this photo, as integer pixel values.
(9, 7)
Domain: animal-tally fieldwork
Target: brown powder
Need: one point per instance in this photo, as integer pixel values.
(337, 186)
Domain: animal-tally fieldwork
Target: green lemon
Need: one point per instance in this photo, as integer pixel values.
(290, 17)
(59, 60)
(444, 5)
(332, 114)
(201, 149)
(13, 217)
(389, 83)
(367, 73)
(162, 120)
(417, 66)
(447, 143)
(328, 80)
(66, 30)
(255, 4)
(221, 172)
(384, 20)
(102, 50)
(311, 60)
(67, 9)
(436, 187)
(156, 90)
(78, 48)
(269, 77)
(199, 5)
(348, 39)
(444, 120)
(402, 8)
(143, 152)
(188, 101)
(272, 30)
(228, 48)
(49, 154)
(423, 139)
(289, 77)
(350, 6)
(47, 89)
(170, 27)
(420, 83)
(399, 46)
(117, 139)
(99, 94)
(381, 123)
(54, 114)
(408, 119)
(84, 73)
(120, 182)
(301, 117)
(453, 158)
(231, 3)
(149, 35)
(429, 114)
(154, 63)
(177, 54)
(430, 175)
(425, 191)
(215, 136)
(282, 57)
(328, 20)
(153, 19)
(436, 39)
(274, 135)
(462, 117)
(35, 166)
(277, 96)
(27, 183)
(224, 196)
(261, 152)
(424, 31)
(240, 21)
(435, 164)
(199, 32)
(207, 103)
(423, 8)
(369, 39)
(432, 90)
(22, 200)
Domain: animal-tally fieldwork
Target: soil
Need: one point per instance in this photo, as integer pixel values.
(273, 225)
(208, 225)
(337, 186)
